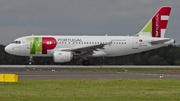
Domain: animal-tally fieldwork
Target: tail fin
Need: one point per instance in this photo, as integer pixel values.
(157, 25)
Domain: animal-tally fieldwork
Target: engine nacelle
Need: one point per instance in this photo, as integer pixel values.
(61, 56)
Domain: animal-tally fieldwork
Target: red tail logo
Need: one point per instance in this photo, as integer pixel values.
(160, 21)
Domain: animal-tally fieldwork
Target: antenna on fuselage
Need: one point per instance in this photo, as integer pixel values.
(106, 34)
(32, 34)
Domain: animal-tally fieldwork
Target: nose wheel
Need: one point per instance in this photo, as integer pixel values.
(30, 60)
(85, 62)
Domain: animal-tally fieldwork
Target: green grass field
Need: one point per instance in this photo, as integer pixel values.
(91, 90)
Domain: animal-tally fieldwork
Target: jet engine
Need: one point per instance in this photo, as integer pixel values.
(61, 56)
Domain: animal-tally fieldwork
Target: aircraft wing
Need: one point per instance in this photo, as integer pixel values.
(88, 49)
(159, 41)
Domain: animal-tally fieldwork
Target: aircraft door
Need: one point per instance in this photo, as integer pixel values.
(135, 43)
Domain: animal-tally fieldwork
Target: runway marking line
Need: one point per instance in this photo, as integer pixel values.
(67, 75)
(149, 74)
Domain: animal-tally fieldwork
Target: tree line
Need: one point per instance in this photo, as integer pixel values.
(169, 55)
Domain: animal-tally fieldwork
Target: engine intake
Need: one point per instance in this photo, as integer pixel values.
(61, 56)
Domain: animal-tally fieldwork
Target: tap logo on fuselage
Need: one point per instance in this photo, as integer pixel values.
(41, 45)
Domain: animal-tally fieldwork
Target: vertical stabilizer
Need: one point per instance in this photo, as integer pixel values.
(156, 27)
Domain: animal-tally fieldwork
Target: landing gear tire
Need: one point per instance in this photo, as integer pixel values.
(85, 62)
(30, 60)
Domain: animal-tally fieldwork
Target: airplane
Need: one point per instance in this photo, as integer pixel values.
(65, 48)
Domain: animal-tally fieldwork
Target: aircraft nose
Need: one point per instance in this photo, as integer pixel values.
(7, 49)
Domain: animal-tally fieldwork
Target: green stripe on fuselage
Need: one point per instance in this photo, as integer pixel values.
(35, 45)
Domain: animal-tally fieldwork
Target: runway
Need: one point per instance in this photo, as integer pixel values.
(74, 66)
(95, 75)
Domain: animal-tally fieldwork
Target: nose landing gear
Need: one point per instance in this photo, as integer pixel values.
(30, 60)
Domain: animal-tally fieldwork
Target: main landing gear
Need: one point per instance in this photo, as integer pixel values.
(85, 62)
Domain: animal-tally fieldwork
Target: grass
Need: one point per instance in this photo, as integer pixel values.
(91, 90)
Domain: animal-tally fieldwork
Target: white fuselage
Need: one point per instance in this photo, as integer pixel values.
(115, 45)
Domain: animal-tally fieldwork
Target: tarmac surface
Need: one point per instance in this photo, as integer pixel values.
(94, 75)
(48, 74)
(72, 66)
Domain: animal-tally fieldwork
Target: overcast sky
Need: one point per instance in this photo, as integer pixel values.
(82, 17)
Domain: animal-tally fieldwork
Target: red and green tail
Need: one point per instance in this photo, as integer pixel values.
(157, 25)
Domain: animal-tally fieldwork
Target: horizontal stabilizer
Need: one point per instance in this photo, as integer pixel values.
(159, 41)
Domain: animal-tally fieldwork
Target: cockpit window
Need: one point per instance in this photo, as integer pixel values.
(17, 42)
